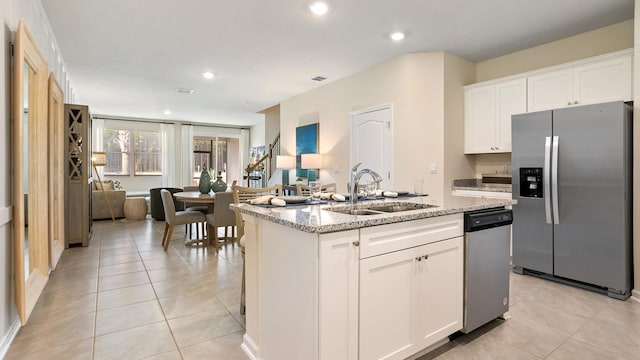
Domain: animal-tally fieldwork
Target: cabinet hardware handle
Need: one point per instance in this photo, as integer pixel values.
(426, 256)
(419, 258)
(356, 243)
(569, 103)
(497, 148)
(575, 102)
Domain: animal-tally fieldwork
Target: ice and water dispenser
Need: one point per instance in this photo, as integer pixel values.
(531, 182)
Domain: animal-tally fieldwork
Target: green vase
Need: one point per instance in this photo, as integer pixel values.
(205, 182)
(219, 185)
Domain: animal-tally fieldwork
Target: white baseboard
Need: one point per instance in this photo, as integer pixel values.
(249, 347)
(8, 338)
(6, 215)
(635, 295)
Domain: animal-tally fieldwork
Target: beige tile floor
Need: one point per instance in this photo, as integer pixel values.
(123, 297)
(553, 321)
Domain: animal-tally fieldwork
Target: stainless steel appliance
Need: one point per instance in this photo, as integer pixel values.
(486, 266)
(572, 180)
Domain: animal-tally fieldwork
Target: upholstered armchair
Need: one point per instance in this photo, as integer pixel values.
(114, 193)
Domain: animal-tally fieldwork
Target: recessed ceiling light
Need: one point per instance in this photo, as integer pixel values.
(207, 75)
(319, 8)
(319, 78)
(396, 36)
(167, 112)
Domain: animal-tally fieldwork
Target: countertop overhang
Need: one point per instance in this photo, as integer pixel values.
(320, 218)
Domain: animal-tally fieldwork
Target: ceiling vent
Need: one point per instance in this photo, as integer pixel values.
(319, 78)
(184, 91)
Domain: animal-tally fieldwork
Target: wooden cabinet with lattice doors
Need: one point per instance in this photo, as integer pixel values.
(77, 175)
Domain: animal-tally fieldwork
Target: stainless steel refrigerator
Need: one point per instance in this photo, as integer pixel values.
(572, 178)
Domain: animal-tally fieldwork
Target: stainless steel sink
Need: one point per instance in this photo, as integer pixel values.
(395, 208)
(381, 209)
(359, 212)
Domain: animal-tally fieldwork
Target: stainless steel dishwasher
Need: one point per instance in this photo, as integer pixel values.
(486, 266)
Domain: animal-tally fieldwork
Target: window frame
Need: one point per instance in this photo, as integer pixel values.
(133, 153)
(137, 153)
(213, 156)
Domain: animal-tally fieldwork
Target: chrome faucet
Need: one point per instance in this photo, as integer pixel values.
(355, 178)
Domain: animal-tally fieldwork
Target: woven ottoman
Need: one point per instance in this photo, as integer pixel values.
(135, 208)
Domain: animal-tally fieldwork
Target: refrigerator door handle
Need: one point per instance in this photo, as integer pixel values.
(554, 180)
(547, 178)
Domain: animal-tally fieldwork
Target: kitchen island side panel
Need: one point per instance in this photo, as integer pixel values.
(288, 292)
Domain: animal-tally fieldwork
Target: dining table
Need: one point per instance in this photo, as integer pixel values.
(196, 197)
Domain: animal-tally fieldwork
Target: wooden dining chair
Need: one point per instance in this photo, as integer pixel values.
(222, 216)
(303, 189)
(173, 218)
(242, 195)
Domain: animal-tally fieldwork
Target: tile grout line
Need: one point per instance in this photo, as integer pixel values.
(164, 315)
(585, 324)
(95, 316)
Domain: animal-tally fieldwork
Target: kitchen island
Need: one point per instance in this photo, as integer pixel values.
(325, 284)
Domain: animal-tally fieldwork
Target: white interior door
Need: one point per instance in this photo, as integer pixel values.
(371, 142)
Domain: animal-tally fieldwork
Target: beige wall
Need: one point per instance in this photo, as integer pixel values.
(271, 124)
(418, 124)
(636, 153)
(330, 106)
(597, 42)
(457, 73)
(492, 164)
(415, 85)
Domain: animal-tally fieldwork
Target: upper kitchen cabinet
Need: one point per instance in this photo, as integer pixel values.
(600, 79)
(550, 90)
(488, 106)
(488, 110)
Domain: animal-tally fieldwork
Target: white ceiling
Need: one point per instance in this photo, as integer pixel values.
(126, 58)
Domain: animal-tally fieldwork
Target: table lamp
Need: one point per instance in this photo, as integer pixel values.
(312, 162)
(285, 162)
(99, 158)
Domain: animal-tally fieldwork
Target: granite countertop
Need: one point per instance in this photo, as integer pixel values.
(319, 218)
(478, 185)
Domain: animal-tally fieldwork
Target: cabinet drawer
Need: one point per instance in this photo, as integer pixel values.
(387, 238)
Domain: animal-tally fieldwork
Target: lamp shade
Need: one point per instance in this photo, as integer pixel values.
(285, 162)
(99, 158)
(311, 161)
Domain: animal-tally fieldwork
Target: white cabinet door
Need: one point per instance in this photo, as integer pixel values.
(479, 119)
(487, 115)
(440, 299)
(511, 99)
(410, 299)
(550, 90)
(338, 295)
(603, 81)
(387, 299)
(594, 82)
